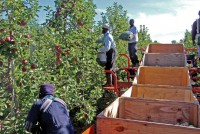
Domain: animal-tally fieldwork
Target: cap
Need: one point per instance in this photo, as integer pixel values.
(46, 89)
(106, 26)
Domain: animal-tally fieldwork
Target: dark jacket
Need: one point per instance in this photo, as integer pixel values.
(55, 120)
(194, 29)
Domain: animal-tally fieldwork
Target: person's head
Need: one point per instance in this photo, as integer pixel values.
(131, 22)
(46, 89)
(105, 28)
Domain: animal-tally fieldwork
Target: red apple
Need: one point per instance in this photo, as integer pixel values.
(24, 62)
(22, 23)
(27, 36)
(57, 54)
(56, 47)
(33, 66)
(2, 41)
(8, 39)
(80, 23)
(58, 61)
(24, 69)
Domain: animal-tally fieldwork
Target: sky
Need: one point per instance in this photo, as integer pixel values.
(166, 20)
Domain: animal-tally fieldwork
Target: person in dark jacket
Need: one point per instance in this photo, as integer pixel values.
(195, 32)
(50, 114)
(109, 47)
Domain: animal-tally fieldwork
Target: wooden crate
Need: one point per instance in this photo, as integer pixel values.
(161, 92)
(147, 116)
(165, 48)
(174, 76)
(164, 59)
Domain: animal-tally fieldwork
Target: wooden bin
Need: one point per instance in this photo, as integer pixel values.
(165, 48)
(176, 93)
(164, 59)
(174, 76)
(146, 116)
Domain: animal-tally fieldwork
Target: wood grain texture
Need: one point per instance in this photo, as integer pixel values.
(178, 93)
(161, 111)
(125, 126)
(174, 76)
(165, 48)
(164, 59)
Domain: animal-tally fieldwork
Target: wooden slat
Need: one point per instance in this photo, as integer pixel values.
(111, 110)
(124, 126)
(174, 76)
(161, 111)
(178, 93)
(164, 59)
(165, 48)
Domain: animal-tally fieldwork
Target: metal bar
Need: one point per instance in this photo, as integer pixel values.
(128, 58)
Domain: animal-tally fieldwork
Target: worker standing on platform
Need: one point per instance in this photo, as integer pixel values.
(110, 48)
(196, 34)
(132, 44)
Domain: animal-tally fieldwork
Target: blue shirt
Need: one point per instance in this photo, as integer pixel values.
(108, 43)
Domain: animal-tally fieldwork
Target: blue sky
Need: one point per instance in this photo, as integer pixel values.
(166, 20)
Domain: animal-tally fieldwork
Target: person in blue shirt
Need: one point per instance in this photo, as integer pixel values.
(49, 115)
(132, 44)
(109, 48)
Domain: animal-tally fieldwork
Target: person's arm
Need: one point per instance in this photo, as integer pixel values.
(32, 118)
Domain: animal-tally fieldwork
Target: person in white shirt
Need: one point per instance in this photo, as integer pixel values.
(132, 44)
(110, 48)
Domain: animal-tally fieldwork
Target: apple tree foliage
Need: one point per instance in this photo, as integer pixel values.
(61, 51)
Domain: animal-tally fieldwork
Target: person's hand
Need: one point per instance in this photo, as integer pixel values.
(193, 43)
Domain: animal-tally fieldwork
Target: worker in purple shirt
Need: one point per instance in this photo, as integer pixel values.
(49, 115)
(132, 44)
